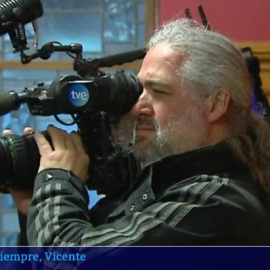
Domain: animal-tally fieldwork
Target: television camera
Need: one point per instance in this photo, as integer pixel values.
(95, 101)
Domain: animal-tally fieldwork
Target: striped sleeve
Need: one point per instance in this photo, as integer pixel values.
(58, 216)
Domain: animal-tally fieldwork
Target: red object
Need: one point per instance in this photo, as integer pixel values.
(240, 20)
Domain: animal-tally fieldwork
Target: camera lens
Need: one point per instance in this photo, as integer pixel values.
(19, 161)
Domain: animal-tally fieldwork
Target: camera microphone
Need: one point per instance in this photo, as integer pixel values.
(14, 12)
(11, 101)
(8, 102)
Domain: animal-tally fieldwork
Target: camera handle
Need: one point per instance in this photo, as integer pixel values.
(46, 51)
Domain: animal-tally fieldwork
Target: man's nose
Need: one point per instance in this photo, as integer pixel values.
(143, 107)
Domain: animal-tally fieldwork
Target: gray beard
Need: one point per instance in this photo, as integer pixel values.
(164, 145)
(157, 149)
(175, 138)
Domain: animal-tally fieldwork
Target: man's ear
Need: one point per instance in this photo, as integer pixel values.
(216, 105)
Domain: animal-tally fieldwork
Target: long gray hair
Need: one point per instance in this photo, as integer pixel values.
(213, 62)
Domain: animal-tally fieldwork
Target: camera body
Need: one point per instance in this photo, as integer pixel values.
(95, 104)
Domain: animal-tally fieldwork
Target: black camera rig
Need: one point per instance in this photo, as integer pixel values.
(95, 100)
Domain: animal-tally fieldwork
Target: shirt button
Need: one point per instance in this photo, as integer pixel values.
(144, 196)
(132, 207)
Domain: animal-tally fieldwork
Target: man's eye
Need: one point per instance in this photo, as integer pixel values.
(160, 92)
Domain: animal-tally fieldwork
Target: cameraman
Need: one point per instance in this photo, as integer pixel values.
(205, 157)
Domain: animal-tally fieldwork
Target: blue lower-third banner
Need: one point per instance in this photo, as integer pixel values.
(99, 258)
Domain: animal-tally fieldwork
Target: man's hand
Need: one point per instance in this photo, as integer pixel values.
(66, 152)
(21, 197)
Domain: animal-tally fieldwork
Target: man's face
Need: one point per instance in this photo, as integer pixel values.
(168, 119)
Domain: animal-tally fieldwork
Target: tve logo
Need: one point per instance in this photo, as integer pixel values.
(78, 94)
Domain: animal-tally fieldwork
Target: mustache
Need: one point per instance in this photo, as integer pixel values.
(146, 122)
